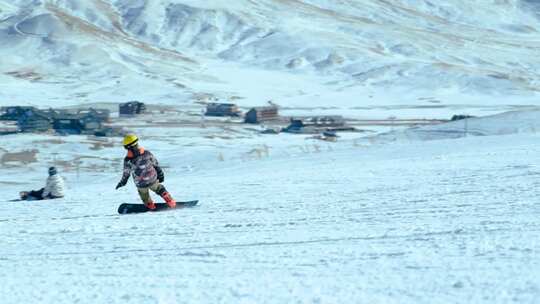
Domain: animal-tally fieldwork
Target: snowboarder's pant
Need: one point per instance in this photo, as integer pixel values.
(37, 195)
(156, 187)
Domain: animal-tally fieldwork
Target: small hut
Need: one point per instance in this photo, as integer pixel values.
(260, 114)
(83, 121)
(317, 124)
(102, 115)
(460, 117)
(67, 125)
(13, 113)
(296, 126)
(34, 121)
(131, 108)
(222, 109)
(326, 121)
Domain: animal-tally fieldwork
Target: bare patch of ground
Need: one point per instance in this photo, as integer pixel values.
(26, 75)
(52, 141)
(19, 158)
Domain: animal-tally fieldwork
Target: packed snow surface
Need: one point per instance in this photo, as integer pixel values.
(367, 220)
(444, 213)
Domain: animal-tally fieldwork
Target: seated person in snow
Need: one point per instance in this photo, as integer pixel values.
(54, 188)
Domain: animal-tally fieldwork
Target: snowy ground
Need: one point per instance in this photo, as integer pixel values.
(436, 214)
(411, 221)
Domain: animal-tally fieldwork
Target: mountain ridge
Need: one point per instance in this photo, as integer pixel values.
(466, 46)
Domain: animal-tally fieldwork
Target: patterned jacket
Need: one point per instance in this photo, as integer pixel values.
(143, 167)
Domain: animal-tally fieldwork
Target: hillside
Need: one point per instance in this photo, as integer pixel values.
(448, 221)
(312, 53)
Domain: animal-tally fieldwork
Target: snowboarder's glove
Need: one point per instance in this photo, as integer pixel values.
(120, 184)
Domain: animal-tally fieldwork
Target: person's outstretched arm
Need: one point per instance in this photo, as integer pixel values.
(125, 174)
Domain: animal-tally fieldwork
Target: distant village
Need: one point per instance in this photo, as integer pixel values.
(98, 122)
(95, 122)
(80, 121)
(325, 126)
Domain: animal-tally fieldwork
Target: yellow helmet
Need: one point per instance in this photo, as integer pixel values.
(130, 140)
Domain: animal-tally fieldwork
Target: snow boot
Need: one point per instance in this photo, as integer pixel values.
(150, 205)
(169, 200)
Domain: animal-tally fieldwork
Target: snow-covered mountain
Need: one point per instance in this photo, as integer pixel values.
(309, 51)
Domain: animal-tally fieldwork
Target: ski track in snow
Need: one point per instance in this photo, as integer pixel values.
(452, 221)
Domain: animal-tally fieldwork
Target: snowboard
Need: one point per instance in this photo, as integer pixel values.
(140, 208)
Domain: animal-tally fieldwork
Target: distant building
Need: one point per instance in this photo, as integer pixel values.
(131, 108)
(260, 114)
(82, 122)
(30, 119)
(460, 117)
(222, 109)
(317, 124)
(33, 120)
(102, 115)
(326, 121)
(67, 125)
(13, 113)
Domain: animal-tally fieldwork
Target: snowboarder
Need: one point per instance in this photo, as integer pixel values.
(147, 174)
(54, 188)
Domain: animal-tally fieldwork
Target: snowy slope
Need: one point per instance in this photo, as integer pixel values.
(407, 221)
(434, 214)
(457, 224)
(507, 123)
